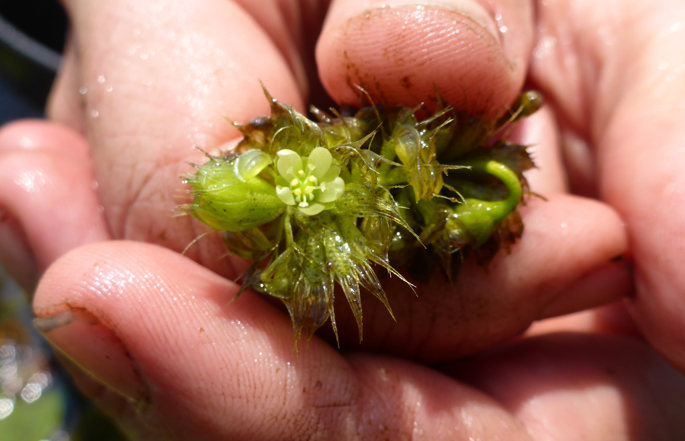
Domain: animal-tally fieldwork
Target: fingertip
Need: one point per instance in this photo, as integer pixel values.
(184, 338)
(35, 135)
(47, 194)
(95, 349)
(403, 53)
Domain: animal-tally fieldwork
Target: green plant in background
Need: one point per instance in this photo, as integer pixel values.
(33, 401)
(320, 204)
(30, 407)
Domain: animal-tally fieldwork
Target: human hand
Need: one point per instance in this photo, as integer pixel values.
(194, 63)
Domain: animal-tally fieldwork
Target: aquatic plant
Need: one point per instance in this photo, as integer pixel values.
(322, 204)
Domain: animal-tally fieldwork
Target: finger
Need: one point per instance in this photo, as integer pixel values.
(611, 319)
(474, 53)
(159, 82)
(38, 135)
(565, 262)
(580, 386)
(157, 327)
(47, 193)
(637, 132)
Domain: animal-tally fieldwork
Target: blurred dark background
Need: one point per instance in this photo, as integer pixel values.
(32, 34)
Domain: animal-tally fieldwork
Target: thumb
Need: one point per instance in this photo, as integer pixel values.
(473, 53)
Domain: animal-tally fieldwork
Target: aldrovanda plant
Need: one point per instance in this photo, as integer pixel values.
(317, 205)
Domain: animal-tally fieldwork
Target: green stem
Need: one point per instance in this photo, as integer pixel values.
(508, 178)
(479, 217)
(289, 238)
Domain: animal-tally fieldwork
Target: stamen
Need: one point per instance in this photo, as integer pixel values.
(312, 179)
(294, 182)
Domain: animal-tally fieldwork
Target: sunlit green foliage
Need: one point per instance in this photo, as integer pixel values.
(317, 205)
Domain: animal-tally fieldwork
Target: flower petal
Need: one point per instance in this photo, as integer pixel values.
(285, 194)
(312, 209)
(331, 174)
(332, 191)
(321, 159)
(289, 163)
(251, 163)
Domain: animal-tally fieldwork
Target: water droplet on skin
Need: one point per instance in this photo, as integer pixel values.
(83, 90)
(101, 79)
(675, 27)
(503, 29)
(94, 113)
(26, 142)
(109, 88)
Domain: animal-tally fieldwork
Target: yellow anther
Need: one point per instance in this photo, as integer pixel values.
(297, 192)
(294, 182)
(300, 172)
(308, 190)
(312, 179)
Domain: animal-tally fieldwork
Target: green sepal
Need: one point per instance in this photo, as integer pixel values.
(226, 202)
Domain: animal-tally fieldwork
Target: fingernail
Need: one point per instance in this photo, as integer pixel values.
(95, 349)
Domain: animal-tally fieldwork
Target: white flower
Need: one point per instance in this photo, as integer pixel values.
(311, 183)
